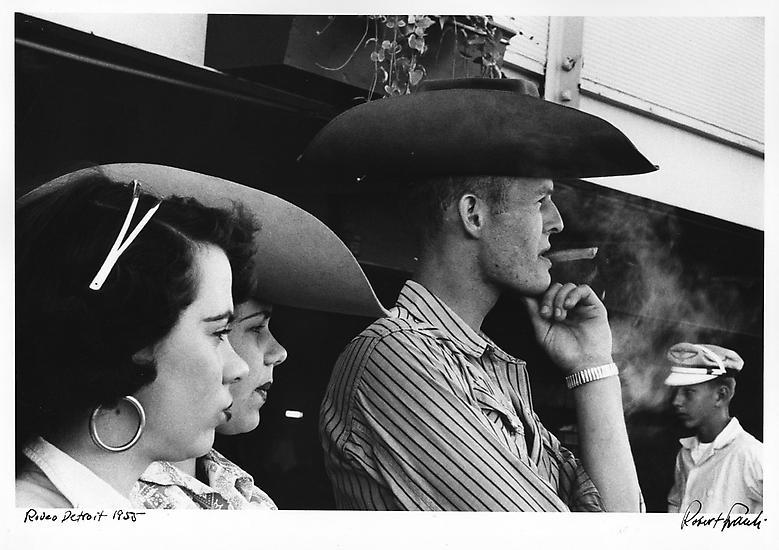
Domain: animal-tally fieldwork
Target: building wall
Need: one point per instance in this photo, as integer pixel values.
(653, 77)
(696, 172)
(178, 36)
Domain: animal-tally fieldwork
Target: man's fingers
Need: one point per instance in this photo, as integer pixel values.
(547, 301)
(559, 299)
(564, 299)
(533, 308)
(583, 295)
(531, 303)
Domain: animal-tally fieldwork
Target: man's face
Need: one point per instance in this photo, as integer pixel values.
(516, 236)
(694, 404)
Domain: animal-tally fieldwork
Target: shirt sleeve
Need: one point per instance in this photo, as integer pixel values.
(576, 488)
(418, 434)
(574, 485)
(753, 474)
(675, 495)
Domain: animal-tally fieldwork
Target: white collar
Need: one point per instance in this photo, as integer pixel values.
(731, 430)
(76, 482)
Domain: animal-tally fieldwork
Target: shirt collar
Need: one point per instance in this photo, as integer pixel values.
(728, 433)
(77, 483)
(216, 466)
(426, 307)
(165, 473)
(227, 483)
(731, 430)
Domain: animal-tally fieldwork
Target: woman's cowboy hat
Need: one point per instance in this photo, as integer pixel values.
(474, 126)
(302, 262)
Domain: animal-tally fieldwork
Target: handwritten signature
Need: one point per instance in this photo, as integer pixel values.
(80, 516)
(735, 517)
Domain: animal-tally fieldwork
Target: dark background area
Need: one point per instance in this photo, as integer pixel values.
(665, 274)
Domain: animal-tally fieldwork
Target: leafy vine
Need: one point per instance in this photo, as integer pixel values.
(398, 43)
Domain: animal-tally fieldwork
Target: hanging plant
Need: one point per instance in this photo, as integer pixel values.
(397, 45)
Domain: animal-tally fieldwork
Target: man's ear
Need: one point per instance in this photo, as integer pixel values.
(472, 212)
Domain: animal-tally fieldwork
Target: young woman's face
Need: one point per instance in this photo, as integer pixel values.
(252, 340)
(195, 366)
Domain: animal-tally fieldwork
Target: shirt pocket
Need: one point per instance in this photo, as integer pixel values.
(504, 422)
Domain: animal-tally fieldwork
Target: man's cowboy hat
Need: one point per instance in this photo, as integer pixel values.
(696, 363)
(473, 126)
(302, 263)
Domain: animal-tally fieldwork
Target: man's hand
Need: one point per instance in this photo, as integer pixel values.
(572, 326)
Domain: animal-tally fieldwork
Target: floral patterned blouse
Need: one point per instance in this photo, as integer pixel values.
(163, 485)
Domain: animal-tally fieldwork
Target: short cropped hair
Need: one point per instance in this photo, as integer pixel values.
(427, 200)
(74, 345)
(726, 380)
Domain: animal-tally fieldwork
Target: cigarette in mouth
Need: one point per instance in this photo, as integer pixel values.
(572, 254)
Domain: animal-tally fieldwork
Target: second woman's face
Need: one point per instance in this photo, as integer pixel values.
(195, 365)
(252, 340)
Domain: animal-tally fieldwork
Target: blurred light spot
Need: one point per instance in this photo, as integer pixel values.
(293, 414)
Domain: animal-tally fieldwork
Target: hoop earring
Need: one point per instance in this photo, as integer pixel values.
(100, 443)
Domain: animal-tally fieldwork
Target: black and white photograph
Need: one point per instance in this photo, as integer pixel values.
(301, 265)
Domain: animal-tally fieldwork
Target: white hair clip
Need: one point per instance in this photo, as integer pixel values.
(119, 247)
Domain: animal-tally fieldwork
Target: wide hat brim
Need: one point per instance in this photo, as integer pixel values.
(471, 129)
(301, 262)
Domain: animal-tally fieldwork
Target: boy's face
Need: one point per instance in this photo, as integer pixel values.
(695, 404)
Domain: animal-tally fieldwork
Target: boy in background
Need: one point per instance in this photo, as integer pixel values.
(718, 469)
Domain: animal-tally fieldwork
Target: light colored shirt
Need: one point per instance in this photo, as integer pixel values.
(727, 471)
(163, 485)
(423, 413)
(53, 479)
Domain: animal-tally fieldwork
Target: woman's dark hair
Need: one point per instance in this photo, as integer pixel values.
(245, 283)
(74, 345)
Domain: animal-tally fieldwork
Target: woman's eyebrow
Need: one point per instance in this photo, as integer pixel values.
(228, 315)
(264, 313)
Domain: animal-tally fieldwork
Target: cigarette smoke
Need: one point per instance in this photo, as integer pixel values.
(659, 289)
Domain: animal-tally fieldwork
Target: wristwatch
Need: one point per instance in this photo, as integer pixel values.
(590, 375)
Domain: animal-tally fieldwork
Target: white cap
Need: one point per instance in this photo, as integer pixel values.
(696, 363)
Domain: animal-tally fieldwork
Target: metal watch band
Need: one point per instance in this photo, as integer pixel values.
(590, 375)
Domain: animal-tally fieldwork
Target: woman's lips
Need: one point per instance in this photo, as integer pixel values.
(228, 414)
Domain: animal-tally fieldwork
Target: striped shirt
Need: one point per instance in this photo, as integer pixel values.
(423, 413)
